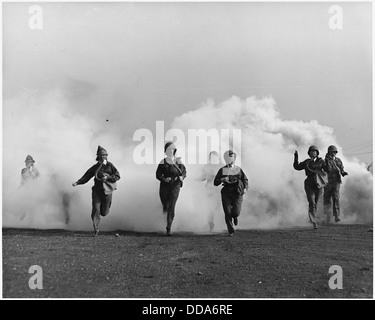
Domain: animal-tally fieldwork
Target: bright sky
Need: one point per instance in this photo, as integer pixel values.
(155, 61)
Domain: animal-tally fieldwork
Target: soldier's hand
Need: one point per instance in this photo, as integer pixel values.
(74, 184)
(344, 174)
(168, 179)
(225, 179)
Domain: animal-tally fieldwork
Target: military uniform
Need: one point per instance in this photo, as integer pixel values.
(231, 193)
(30, 172)
(335, 170)
(168, 173)
(312, 191)
(209, 172)
(102, 189)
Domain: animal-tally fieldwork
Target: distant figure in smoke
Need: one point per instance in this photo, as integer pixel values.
(170, 172)
(310, 166)
(105, 179)
(235, 185)
(335, 169)
(30, 172)
(370, 167)
(208, 174)
(65, 197)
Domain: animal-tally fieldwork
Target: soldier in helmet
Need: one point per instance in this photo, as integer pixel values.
(235, 185)
(310, 165)
(208, 175)
(335, 170)
(30, 172)
(105, 179)
(170, 172)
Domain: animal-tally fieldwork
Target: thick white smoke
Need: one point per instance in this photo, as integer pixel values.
(63, 141)
(277, 197)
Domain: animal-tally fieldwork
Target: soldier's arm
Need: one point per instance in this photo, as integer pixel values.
(245, 180)
(160, 173)
(115, 176)
(321, 164)
(217, 180)
(299, 165)
(183, 169)
(87, 176)
(342, 171)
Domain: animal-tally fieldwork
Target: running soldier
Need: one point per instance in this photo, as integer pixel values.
(335, 169)
(313, 193)
(235, 185)
(170, 172)
(105, 179)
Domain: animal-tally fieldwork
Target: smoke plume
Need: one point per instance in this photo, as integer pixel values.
(62, 134)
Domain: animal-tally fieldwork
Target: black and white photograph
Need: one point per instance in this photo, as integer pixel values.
(207, 151)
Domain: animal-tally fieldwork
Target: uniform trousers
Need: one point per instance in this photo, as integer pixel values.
(168, 197)
(101, 203)
(232, 203)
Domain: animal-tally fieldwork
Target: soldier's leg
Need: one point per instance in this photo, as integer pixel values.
(171, 207)
(210, 209)
(164, 195)
(66, 206)
(227, 207)
(336, 201)
(236, 210)
(105, 204)
(95, 213)
(327, 202)
(318, 195)
(237, 205)
(310, 194)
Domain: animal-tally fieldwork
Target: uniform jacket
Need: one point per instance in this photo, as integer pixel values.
(335, 169)
(98, 170)
(168, 170)
(237, 179)
(309, 166)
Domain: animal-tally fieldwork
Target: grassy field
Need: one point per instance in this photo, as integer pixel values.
(287, 263)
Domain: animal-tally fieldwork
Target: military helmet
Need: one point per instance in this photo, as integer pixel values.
(332, 149)
(168, 144)
(229, 153)
(101, 151)
(313, 148)
(29, 159)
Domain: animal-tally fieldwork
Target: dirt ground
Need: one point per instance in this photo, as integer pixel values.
(287, 263)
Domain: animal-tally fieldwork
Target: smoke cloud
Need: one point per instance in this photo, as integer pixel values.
(62, 133)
